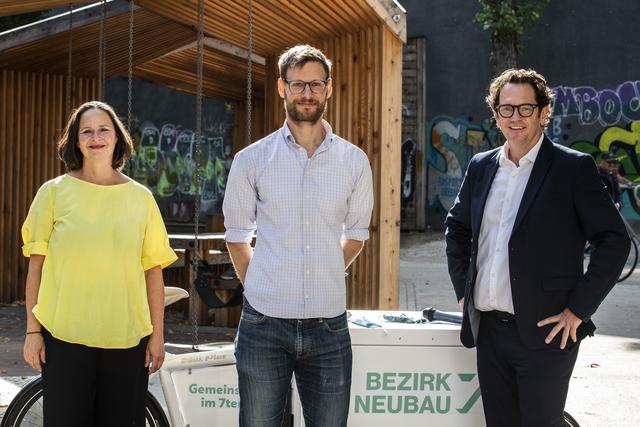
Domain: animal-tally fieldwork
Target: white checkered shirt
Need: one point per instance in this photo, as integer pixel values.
(300, 208)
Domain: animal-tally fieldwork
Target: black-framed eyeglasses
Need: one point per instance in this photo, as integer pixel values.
(296, 87)
(524, 110)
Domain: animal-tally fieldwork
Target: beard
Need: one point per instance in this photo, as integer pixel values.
(305, 116)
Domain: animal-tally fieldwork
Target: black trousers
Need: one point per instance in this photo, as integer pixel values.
(521, 387)
(87, 386)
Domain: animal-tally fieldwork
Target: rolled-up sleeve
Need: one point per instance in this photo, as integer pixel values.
(38, 225)
(360, 204)
(240, 202)
(156, 250)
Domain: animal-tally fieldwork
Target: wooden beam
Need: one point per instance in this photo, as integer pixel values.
(393, 15)
(390, 149)
(222, 46)
(229, 48)
(60, 23)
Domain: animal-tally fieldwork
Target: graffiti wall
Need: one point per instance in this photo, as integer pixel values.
(588, 119)
(451, 143)
(163, 130)
(594, 120)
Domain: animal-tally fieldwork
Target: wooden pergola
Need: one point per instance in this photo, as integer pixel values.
(363, 38)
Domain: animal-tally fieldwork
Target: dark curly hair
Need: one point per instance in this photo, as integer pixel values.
(544, 94)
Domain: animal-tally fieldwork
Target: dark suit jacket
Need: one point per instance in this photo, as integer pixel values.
(563, 206)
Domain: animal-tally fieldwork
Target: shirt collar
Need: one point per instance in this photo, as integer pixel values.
(530, 157)
(291, 142)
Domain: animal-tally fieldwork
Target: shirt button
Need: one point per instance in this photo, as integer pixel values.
(308, 246)
(307, 222)
(308, 272)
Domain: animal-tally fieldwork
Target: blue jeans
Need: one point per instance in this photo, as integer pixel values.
(269, 350)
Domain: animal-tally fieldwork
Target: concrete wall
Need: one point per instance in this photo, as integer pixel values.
(588, 51)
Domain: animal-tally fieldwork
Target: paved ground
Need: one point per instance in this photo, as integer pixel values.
(606, 380)
(604, 386)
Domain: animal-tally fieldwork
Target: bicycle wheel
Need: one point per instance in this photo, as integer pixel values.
(25, 410)
(632, 261)
(569, 421)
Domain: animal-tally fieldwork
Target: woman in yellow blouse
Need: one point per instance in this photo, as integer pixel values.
(94, 294)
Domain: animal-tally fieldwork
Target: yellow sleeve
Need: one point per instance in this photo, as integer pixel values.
(38, 225)
(155, 248)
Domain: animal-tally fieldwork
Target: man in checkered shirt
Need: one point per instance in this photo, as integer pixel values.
(307, 194)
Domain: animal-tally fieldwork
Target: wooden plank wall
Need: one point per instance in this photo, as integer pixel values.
(32, 115)
(365, 109)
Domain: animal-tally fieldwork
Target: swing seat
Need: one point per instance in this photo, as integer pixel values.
(173, 294)
(209, 281)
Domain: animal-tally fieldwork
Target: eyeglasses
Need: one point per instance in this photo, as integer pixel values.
(524, 110)
(298, 86)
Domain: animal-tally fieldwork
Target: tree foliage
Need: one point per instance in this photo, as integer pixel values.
(508, 18)
(506, 21)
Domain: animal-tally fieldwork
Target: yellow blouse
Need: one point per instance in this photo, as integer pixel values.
(98, 240)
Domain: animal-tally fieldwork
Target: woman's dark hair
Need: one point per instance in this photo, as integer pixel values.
(68, 150)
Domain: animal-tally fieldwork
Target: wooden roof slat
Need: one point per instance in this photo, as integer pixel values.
(341, 22)
(165, 31)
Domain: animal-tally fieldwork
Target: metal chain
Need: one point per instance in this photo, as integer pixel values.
(67, 101)
(104, 51)
(130, 70)
(130, 171)
(101, 52)
(198, 140)
(249, 68)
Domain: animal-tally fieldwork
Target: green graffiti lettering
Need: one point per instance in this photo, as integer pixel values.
(617, 134)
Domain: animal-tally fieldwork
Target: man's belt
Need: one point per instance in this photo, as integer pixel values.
(502, 316)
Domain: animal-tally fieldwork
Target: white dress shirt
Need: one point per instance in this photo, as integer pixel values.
(492, 290)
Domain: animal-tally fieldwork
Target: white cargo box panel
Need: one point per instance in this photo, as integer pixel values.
(406, 334)
(409, 375)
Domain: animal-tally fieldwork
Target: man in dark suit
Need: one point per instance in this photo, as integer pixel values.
(515, 241)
